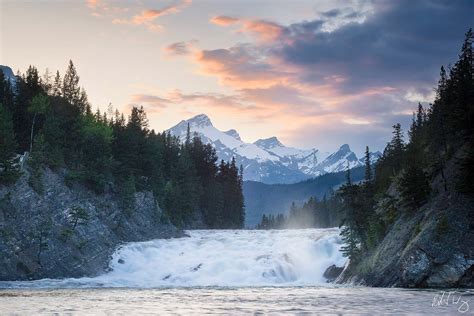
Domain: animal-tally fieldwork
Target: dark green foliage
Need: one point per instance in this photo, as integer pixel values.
(127, 194)
(413, 186)
(8, 170)
(96, 152)
(54, 122)
(368, 166)
(391, 161)
(351, 247)
(465, 181)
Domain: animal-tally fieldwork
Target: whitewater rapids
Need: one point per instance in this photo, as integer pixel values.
(218, 258)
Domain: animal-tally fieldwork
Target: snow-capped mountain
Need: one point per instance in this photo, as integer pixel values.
(268, 160)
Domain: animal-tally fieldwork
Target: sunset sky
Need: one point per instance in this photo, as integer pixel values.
(313, 73)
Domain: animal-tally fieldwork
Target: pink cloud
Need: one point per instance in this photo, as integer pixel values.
(223, 20)
(144, 17)
(263, 30)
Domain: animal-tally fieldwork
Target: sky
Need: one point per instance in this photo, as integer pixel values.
(316, 74)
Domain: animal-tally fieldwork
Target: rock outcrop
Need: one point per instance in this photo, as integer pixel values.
(69, 231)
(332, 273)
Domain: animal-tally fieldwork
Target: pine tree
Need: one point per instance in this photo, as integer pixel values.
(8, 171)
(368, 165)
(351, 243)
(56, 89)
(70, 88)
(46, 83)
(413, 186)
(348, 175)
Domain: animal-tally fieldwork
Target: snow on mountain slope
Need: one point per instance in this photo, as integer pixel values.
(267, 160)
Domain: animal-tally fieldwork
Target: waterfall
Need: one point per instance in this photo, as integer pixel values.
(221, 258)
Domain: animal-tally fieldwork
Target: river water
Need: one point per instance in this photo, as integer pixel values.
(225, 272)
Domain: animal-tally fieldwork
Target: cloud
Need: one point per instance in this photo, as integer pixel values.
(146, 17)
(179, 48)
(150, 99)
(241, 66)
(263, 30)
(92, 3)
(223, 20)
(382, 48)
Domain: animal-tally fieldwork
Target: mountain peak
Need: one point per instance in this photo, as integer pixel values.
(200, 120)
(233, 133)
(345, 148)
(269, 142)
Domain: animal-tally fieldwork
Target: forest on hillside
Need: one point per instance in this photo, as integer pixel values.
(49, 120)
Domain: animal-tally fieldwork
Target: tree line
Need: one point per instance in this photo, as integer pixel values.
(314, 213)
(51, 119)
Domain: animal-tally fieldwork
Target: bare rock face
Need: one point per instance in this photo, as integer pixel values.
(332, 272)
(68, 231)
(415, 268)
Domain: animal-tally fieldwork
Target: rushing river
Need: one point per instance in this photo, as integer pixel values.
(223, 271)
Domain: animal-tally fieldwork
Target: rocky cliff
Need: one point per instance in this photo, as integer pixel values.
(67, 230)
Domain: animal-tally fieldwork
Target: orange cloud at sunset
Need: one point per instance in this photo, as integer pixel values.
(263, 30)
(224, 20)
(145, 17)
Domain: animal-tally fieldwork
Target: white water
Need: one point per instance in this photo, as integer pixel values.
(218, 258)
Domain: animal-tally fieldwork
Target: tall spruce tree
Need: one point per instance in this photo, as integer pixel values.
(8, 171)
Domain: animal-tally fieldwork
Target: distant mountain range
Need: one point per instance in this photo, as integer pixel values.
(268, 160)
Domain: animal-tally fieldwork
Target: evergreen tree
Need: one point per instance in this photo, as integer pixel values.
(8, 171)
(56, 88)
(368, 165)
(38, 105)
(70, 87)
